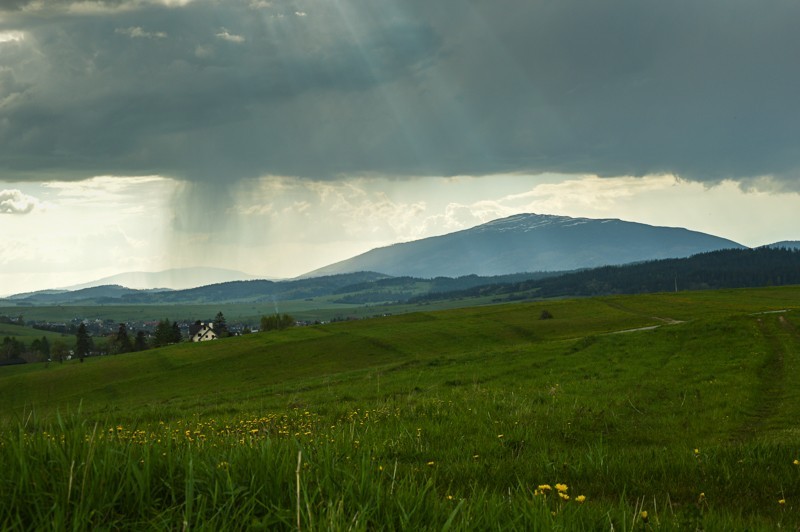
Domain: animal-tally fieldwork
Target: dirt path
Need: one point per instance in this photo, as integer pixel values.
(782, 339)
(623, 308)
(637, 329)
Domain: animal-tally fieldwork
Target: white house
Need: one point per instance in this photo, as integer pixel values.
(204, 333)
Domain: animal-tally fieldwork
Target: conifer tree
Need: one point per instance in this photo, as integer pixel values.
(82, 342)
(220, 327)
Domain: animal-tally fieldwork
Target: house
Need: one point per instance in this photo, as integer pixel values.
(201, 332)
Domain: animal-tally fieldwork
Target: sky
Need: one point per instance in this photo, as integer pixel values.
(275, 137)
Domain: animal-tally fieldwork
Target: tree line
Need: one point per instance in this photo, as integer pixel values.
(729, 268)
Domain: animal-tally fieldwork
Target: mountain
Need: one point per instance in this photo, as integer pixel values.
(176, 279)
(529, 243)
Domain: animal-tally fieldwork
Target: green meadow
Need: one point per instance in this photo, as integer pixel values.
(655, 412)
(27, 334)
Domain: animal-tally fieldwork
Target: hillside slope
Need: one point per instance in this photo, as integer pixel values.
(678, 408)
(183, 374)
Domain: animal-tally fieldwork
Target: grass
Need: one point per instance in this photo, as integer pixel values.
(28, 334)
(429, 421)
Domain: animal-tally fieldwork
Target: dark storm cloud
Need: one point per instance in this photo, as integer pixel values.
(225, 90)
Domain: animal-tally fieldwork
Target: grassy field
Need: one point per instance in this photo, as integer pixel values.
(251, 312)
(27, 334)
(667, 411)
(314, 309)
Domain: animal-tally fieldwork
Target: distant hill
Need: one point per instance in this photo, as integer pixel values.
(531, 242)
(788, 244)
(176, 279)
(234, 291)
(727, 268)
(93, 295)
(26, 295)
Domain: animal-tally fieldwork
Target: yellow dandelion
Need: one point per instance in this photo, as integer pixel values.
(696, 451)
(563, 495)
(544, 487)
(782, 502)
(580, 498)
(562, 488)
(796, 462)
(431, 463)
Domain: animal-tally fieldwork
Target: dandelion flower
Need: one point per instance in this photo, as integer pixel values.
(562, 488)
(580, 498)
(796, 462)
(563, 495)
(544, 487)
(782, 502)
(431, 463)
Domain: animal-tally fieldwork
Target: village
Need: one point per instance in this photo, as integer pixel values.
(83, 337)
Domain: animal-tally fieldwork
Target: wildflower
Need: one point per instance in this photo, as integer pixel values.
(796, 462)
(562, 488)
(643, 515)
(696, 451)
(782, 502)
(544, 487)
(702, 497)
(563, 495)
(580, 499)
(499, 435)
(431, 463)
